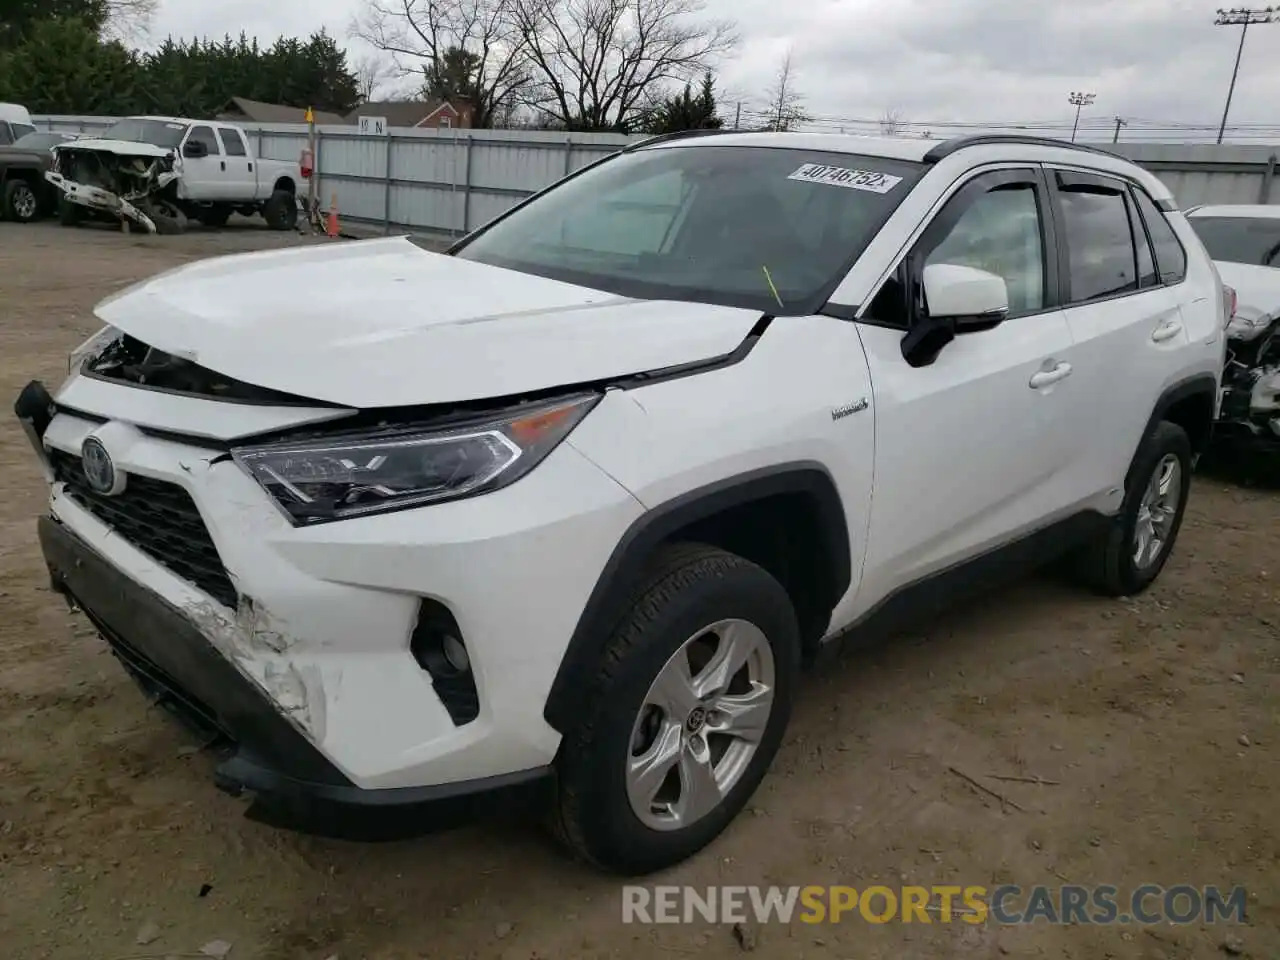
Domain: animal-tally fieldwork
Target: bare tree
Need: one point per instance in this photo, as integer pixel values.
(891, 124)
(129, 20)
(418, 34)
(373, 74)
(596, 64)
(786, 102)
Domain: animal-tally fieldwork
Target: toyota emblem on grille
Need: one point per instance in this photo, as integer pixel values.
(99, 471)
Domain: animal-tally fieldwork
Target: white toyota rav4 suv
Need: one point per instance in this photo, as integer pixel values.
(554, 518)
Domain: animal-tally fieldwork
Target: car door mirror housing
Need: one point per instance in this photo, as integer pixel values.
(195, 149)
(957, 299)
(974, 299)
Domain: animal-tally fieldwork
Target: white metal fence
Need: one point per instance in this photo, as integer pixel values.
(451, 181)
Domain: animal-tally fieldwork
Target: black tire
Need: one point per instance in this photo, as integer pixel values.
(167, 216)
(689, 588)
(281, 211)
(20, 202)
(69, 214)
(1108, 564)
(215, 216)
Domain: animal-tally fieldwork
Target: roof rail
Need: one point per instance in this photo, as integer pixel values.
(675, 135)
(949, 147)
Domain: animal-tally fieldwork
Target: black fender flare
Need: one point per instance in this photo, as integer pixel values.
(617, 581)
(1201, 383)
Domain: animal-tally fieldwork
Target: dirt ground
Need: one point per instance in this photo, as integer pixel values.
(1157, 718)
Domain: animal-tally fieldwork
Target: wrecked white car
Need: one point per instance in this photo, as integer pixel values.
(159, 173)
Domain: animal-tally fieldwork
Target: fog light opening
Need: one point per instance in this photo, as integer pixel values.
(438, 647)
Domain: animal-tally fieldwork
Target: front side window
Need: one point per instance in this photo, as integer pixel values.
(1000, 233)
(766, 228)
(1100, 248)
(205, 135)
(1251, 240)
(6, 135)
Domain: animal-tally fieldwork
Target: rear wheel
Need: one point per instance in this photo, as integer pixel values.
(20, 202)
(281, 211)
(685, 715)
(1128, 557)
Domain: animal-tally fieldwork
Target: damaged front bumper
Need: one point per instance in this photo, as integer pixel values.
(99, 200)
(293, 785)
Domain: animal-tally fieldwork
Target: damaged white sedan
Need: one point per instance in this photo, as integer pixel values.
(159, 173)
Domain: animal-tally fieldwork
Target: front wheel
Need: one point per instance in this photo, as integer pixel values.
(687, 711)
(1129, 556)
(20, 202)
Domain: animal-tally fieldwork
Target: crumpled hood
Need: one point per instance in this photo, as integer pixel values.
(379, 323)
(123, 148)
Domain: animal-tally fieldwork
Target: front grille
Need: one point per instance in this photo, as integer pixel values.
(158, 518)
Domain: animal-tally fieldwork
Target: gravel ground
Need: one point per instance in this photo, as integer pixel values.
(1139, 711)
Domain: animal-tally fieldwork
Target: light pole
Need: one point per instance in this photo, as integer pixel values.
(1079, 100)
(1241, 17)
(1120, 122)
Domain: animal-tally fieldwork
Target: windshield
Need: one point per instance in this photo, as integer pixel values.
(759, 227)
(160, 133)
(21, 130)
(1252, 240)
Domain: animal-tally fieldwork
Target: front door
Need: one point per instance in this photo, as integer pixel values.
(970, 451)
(204, 178)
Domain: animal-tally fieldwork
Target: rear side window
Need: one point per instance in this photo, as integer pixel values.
(1102, 261)
(232, 141)
(1171, 259)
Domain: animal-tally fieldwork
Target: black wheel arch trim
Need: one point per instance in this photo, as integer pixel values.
(614, 587)
(1201, 383)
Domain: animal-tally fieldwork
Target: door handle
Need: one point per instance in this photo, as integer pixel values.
(222, 164)
(1045, 378)
(1167, 330)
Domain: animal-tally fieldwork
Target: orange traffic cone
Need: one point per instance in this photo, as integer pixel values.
(332, 227)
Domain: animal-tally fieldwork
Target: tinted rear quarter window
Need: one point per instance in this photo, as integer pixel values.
(1171, 259)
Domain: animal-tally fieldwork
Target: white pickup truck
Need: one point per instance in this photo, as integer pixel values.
(161, 172)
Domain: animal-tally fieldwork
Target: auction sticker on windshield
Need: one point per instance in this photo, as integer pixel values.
(844, 177)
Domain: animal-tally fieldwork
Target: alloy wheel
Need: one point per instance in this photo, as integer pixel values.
(1157, 512)
(700, 724)
(24, 203)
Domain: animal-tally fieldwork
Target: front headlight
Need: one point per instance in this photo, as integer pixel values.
(335, 478)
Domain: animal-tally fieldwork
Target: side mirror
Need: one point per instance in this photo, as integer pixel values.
(195, 149)
(958, 299)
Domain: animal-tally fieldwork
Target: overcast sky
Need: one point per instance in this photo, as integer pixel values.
(929, 60)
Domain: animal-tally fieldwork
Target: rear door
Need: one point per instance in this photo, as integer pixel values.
(1125, 320)
(204, 178)
(973, 448)
(240, 180)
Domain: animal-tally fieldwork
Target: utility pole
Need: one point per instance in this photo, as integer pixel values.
(737, 117)
(1243, 18)
(1079, 100)
(1120, 122)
